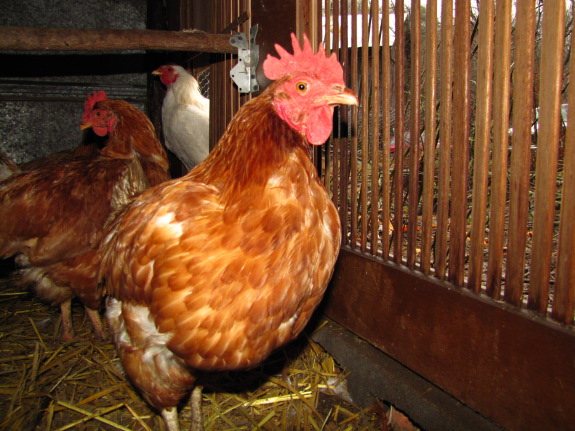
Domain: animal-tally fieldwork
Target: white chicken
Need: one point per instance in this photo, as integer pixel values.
(185, 115)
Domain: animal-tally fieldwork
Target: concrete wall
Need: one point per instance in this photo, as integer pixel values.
(42, 94)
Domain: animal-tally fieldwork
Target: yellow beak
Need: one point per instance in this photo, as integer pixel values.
(345, 97)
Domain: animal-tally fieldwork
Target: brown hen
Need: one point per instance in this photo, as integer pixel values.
(53, 214)
(215, 270)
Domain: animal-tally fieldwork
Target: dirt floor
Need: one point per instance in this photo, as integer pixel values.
(48, 384)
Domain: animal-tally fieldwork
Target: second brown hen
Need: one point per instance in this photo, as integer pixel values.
(53, 216)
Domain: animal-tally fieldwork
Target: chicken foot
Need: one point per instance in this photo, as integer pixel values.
(68, 332)
(170, 415)
(67, 326)
(96, 320)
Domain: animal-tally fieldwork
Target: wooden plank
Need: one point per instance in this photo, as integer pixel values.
(514, 367)
(326, 169)
(445, 138)
(385, 131)
(355, 121)
(399, 129)
(374, 144)
(501, 94)
(430, 131)
(460, 158)
(345, 130)
(415, 128)
(547, 153)
(364, 103)
(307, 20)
(520, 152)
(564, 303)
(481, 146)
(67, 39)
(336, 149)
(377, 375)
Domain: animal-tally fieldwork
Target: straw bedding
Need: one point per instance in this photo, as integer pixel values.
(49, 384)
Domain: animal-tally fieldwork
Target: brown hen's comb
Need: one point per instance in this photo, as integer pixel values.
(92, 99)
(303, 60)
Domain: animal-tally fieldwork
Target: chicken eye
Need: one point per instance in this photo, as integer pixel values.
(98, 114)
(301, 86)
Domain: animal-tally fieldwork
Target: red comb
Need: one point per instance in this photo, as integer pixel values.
(303, 60)
(92, 99)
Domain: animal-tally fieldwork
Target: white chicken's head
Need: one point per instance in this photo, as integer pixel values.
(311, 86)
(169, 73)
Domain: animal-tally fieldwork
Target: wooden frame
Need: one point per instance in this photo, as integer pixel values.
(512, 366)
(64, 39)
(435, 269)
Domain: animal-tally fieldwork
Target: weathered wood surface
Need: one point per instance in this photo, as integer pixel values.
(66, 39)
(513, 367)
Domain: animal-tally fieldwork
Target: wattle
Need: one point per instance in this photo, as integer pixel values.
(100, 130)
(320, 125)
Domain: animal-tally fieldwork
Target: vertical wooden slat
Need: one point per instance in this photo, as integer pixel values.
(319, 11)
(482, 140)
(445, 141)
(415, 94)
(386, 116)
(324, 150)
(398, 132)
(564, 303)
(328, 25)
(501, 92)
(459, 173)
(237, 97)
(246, 28)
(365, 120)
(185, 15)
(354, 122)
(308, 20)
(520, 151)
(375, 99)
(231, 95)
(430, 130)
(336, 148)
(221, 87)
(344, 115)
(217, 113)
(547, 152)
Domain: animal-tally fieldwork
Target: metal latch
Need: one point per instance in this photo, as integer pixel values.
(244, 73)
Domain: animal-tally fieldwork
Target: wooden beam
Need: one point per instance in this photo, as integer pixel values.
(66, 39)
(373, 374)
(514, 367)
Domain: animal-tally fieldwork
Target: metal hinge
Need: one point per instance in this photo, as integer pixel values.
(244, 73)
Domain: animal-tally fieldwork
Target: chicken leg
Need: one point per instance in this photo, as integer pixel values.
(170, 415)
(196, 405)
(67, 326)
(94, 317)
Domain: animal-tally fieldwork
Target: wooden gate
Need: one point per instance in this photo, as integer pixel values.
(454, 180)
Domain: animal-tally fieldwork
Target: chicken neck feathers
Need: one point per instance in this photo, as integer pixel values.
(133, 134)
